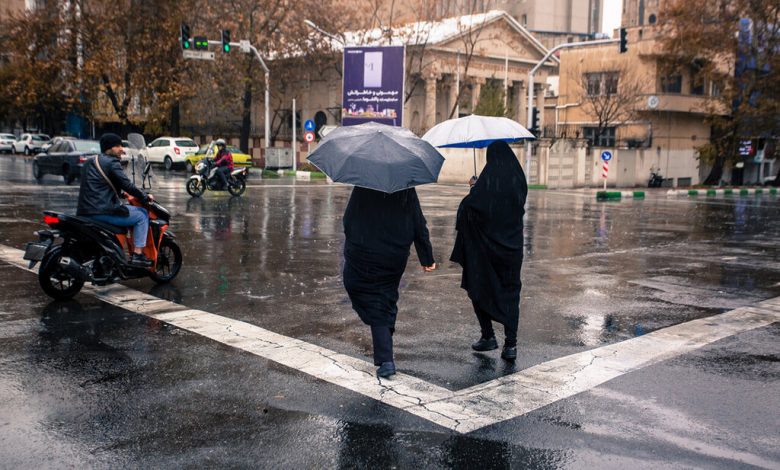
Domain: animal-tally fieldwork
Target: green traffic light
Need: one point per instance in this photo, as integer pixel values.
(226, 47)
(186, 44)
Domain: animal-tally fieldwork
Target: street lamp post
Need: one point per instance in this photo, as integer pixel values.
(313, 26)
(249, 48)
(529, 111)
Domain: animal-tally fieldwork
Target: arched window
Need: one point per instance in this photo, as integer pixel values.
(651, 19)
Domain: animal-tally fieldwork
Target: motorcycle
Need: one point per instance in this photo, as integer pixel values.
(205, 178)
(99, 252)
(656, 180)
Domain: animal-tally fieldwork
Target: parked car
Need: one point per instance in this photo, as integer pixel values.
(55, 140)
(209, 151)
(65, 159)
(170, 151)
(30, 143)
(7, 143)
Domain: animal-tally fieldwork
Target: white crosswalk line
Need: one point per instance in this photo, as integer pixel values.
(463, 411)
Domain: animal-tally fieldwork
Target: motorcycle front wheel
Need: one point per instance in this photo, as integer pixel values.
(195, 187)
(237, 188)
(169, 262)
(57, 283)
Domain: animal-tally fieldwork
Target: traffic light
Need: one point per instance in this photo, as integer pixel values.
(225, 40)
(623, 40)
(201, 43)
(186, 44)
(534, 120)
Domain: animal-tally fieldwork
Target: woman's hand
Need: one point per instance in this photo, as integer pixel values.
(472, 181)
(430, 268)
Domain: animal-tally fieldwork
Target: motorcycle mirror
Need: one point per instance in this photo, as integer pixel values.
(137, 141)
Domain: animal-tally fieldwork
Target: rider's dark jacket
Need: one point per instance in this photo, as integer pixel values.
(96, 196)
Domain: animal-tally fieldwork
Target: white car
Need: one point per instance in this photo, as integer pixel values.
(170, 151)
(7, 143)
(30, 143)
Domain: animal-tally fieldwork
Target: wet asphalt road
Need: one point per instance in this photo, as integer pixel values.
(86, 383)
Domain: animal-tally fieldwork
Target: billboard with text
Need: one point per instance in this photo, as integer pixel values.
(373, 85)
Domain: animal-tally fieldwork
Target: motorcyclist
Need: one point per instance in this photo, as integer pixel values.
(102, 179)
(223, 162)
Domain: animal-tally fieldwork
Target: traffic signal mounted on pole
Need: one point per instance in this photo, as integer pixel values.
(186, 43)
(623, 40)
(201, 43)
(534, 120)
(225, 40)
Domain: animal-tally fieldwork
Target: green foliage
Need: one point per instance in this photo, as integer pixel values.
(491, 101)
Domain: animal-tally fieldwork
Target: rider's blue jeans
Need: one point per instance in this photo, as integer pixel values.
(138, 219)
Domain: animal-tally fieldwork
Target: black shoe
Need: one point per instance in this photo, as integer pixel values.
(140, 260)
(509, 353)
(485, 344)
(386, 370)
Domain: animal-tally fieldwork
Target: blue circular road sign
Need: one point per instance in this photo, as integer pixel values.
(606, 155)
(309, 125)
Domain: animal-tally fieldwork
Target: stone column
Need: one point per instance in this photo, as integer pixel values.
(430, 102)
(476, 89)
(520, 100)
(452, 98)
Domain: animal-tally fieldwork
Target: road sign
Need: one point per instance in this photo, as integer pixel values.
(325, 130)
(309, 125)
(606, 155)
(308, 136)
(204, 55)
(245, 46)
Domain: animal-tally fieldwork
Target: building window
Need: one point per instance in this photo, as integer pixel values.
(714, 89)
(697, 85)
(671, 84)
(606, 139)
(651, 19)
(524, 20)
(602, 83)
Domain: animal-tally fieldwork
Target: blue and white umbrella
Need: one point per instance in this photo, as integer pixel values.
(476, 132)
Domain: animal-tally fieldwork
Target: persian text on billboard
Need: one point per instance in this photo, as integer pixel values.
(373, 85)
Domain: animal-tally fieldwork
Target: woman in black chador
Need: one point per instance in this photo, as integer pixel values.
(379, 229)
(489, 246)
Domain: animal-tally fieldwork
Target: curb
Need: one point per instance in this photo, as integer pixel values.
(618, 195)
(723, 192)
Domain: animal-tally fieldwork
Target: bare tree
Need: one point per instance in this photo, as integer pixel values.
(610, 97)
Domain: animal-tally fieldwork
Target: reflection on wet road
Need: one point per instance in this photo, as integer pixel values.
(595, 275)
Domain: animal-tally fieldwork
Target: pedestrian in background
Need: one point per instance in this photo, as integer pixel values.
(379, 229)
(489, 246)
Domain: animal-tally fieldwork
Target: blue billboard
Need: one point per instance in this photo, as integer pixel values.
(373, 85)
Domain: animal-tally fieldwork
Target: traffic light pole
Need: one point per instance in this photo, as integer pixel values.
(248, 48)
(531, 74)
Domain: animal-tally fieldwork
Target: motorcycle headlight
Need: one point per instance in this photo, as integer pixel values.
(199, 167)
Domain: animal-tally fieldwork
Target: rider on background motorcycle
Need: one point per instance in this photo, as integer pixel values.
(223, 161)
(99, 196)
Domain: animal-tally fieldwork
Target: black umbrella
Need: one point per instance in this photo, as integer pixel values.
(376, 156)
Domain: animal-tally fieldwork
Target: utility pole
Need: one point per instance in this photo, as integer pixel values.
(529, 110)
(248, 48)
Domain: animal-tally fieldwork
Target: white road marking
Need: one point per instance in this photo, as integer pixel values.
(463, 411)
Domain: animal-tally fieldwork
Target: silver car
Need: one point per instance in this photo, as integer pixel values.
(7, 143)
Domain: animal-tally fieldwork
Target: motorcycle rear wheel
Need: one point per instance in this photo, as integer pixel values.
(54, 280)
(169, 262)
(238, 189)
(196, 188)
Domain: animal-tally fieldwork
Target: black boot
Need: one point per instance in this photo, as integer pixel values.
(485, 344)
(386, 370)
(139, 260)
(509, 353)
